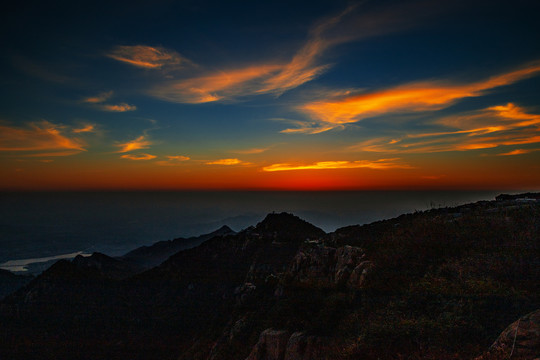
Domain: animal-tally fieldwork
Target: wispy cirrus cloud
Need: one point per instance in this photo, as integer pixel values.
(148, 57)
(138, 156)
(518, 152)
(414, 97)
(251, 151)
(227, 162)
(97, 101)
(220, 85)
(87, 128)
(381, 164)
(173, 160)
(137, 144)
(99, 98)
(122, 107)
(43, 138)
(503, 125)
(306, 63)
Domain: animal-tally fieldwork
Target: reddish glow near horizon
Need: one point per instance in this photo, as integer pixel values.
(324, 103)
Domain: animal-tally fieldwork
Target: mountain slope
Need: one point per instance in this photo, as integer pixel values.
(441, 284)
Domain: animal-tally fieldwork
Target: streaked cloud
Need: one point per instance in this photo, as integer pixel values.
(122, 107)
(137, 144)
(251, 151)
(148, 57)
(173, 160)
(50, 154)
(381, 164)
(220, 85)
(306, 63)
(226, 162)
(503, 125)
(138, 156)
(54, 139)
(413, 97)
(177, 157)
(99, 98)
(518, 152)
(85, 129)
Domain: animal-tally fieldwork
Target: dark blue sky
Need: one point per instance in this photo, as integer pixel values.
(270, 94)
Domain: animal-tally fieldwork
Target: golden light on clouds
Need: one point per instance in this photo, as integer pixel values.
(138, 156)
(503, 125)
(99, 98)
(225, 162)
(381, 164)
(137, 144)
(40, 136)
(123, 107)
(215, 86)
(414, 97)
(147, 56)
(85, 129)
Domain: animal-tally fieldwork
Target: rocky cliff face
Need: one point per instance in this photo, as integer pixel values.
(520, 340)
(329, 267)
(282, 345)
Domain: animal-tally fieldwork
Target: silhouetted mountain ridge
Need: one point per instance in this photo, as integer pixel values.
(155, 254)
(440, 284)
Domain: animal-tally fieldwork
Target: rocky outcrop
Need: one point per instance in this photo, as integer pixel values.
(272, 345)
(328, 267)
(520, 340)
(281, 345)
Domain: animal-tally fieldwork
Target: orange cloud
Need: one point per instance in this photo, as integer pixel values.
(137, 144)
(85, 129)
(381, 164)
(123, 107)
(148, 57)
(504, 125)
(40, 136)
(178, 157)
(518, 152)
(213, 87)
(138, 157)
(414, 97)
(99, 98)
(173, 160)
(278, 76)
(226, 162)
(251, 151)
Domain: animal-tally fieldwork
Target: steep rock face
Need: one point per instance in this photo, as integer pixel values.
(272, 345)
(281, 345)
(520, 340)
(327, 267)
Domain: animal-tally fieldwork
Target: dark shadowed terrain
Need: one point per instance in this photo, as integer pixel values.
(439, 284)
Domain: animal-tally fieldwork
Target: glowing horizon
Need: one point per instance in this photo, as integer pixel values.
(271, 96)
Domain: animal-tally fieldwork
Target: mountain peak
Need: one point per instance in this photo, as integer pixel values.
(288, 226)
(224, 230)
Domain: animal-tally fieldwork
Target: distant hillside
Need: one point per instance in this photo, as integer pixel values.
(10, 282)
(441, 284)
(153, 255)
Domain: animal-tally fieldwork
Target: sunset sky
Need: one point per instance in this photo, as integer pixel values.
(288, 95)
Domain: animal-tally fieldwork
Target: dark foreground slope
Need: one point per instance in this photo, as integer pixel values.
(441, 284)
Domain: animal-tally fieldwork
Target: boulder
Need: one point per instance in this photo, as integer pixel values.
(272, 345)
(520, 340)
